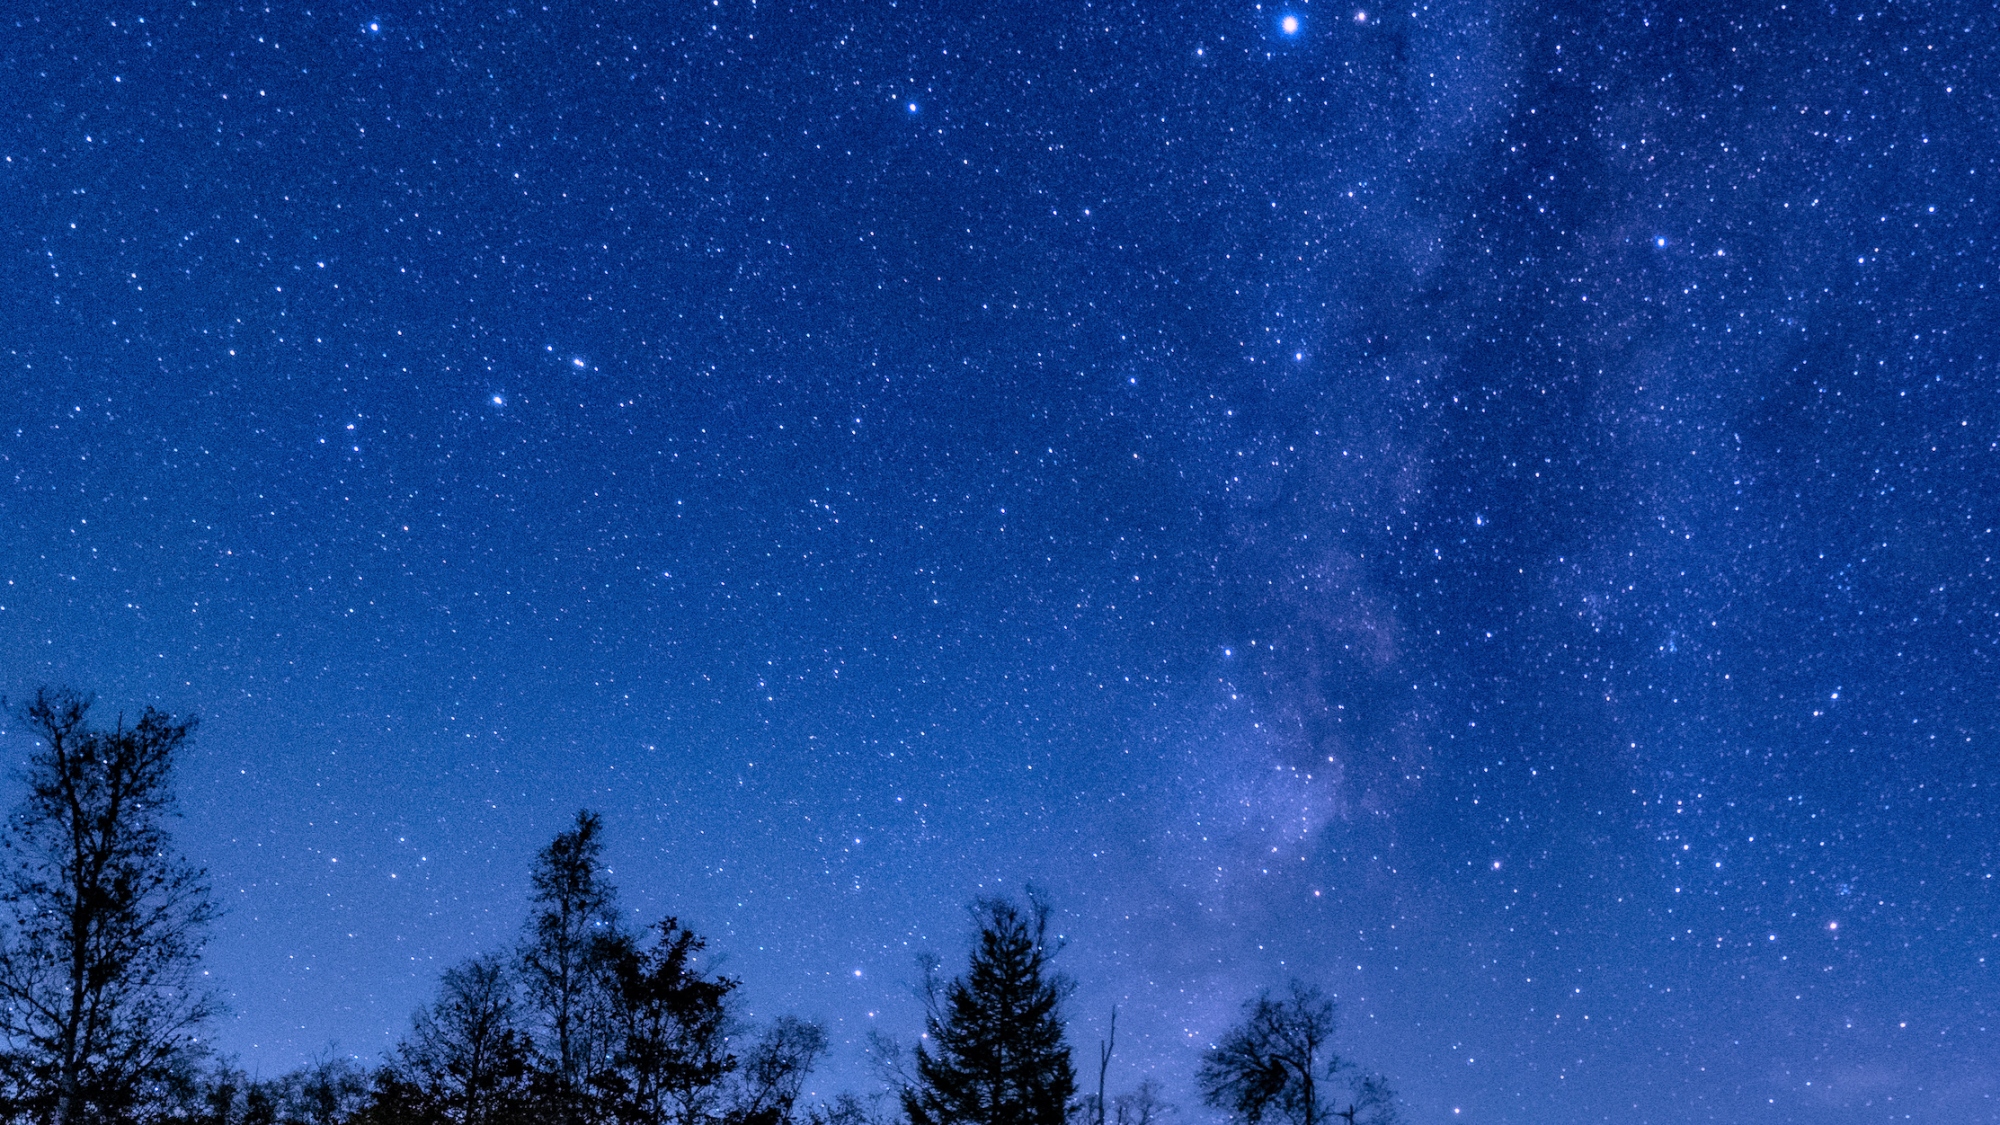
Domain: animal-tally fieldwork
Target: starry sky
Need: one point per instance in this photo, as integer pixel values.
(1485, 506)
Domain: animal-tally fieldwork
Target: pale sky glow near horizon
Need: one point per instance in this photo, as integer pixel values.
(1484, 507)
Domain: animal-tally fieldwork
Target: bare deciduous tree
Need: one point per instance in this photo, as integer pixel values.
(465, 1061)
(1279, 1065)
(566, 966)
(1143, 1106)
(773, 1071)
(105, 921)
(329, 1091)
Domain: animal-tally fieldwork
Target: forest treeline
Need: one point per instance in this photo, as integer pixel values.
(586, 1020)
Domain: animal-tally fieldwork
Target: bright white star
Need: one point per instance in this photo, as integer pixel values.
(1289, 25)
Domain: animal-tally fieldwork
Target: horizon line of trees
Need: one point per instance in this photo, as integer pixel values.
(586, 1021)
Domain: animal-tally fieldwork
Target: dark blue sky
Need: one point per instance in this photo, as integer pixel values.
(1486, 507)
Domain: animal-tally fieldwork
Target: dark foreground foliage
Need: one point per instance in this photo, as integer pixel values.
(586, 1021)
(1278, 1065)
(100, 1003)
(996, 1054)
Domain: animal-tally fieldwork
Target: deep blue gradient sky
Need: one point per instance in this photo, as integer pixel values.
(1485, 506)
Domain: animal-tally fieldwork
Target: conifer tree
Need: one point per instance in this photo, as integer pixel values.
(995, 1053)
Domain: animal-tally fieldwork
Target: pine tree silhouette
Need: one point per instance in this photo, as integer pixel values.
(994, 1053)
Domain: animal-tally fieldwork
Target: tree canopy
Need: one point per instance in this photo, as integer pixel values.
(104, 919)
(1278, 1065)
(995, 1053)
(583, 1022)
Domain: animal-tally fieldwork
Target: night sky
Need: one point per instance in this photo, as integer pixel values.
(1487, 507)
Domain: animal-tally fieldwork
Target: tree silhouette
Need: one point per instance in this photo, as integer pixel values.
(99, 1002)
(772, 1073)
(995, 1053)
(672, 1033)
(566, 965)
(328, 1091)
(1143, 1106)
(1104, 1048)
(465, 1062)
(848, 1109)
(1279, 1065)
